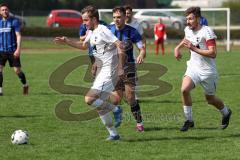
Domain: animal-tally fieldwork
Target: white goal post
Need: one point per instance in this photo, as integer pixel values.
(226, 26)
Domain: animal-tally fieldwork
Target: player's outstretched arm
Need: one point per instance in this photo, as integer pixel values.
(75, 44)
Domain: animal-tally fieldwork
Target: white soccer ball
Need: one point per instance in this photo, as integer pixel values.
(19, 137)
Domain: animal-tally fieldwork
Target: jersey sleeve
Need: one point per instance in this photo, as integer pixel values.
(186, 31)
(140, 29)
(209, 34)
(87, 39)
(107, 35)
(82, 30)
(136, 37)
(16, 25)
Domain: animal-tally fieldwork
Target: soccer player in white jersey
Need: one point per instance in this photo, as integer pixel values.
(134, 23)
(109, 60)
(201, 68)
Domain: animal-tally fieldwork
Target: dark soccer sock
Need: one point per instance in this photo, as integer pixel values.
(157, 50)
(22, 77)
(136, 112)
(1, 79)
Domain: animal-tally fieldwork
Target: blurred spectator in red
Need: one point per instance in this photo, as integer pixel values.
(160, 35)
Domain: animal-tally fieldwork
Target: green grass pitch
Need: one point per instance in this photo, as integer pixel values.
(52, 138)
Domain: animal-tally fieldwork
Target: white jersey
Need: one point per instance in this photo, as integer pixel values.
(104, 50)
(202, 64)
(135, 24)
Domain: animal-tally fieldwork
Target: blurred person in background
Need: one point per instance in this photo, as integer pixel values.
(159, 35)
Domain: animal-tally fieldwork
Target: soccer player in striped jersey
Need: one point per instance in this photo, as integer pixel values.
(129, 36)
(10, 46)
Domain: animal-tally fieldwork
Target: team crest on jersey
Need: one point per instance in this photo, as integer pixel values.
(96, 39)
(198, 39)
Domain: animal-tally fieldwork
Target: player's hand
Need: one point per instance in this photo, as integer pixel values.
(177, 54)
(94, 70)
(60, 40)
(187, 43)
(140, 59)
(16, 54)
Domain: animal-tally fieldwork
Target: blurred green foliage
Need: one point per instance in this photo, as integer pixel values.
(234, 6)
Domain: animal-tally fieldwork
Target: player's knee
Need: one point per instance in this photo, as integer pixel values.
(185, 91)
(115, 99)
(17, 71)
(130, 99)
(130, 96)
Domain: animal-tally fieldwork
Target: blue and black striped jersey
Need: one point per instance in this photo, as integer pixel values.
(129, 36)
(8, 40)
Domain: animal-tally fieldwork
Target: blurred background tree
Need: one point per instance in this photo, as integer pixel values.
(234, 6)
(47, 5)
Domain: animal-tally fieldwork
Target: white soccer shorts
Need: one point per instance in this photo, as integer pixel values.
(208, 82)
(104, 84)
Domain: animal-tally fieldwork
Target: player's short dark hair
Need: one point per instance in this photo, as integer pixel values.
(92, 11)
(128, 7)
(3, 5)
(119, 9)
(194, 10)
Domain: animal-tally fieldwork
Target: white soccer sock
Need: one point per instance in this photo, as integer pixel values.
(188, 112)
(224, 111)
(112, 131)
(97, 103)
(0, 89)
(107, 121)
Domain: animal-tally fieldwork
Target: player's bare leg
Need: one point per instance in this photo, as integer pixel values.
(157, 47)
(187, 86)
(115, 98)
(162, 46)
(103, 108)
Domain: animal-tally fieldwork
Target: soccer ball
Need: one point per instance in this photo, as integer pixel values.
(19, 137)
